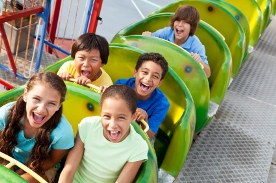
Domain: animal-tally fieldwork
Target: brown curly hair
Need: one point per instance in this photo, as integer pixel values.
(189, 14)
(8, 136)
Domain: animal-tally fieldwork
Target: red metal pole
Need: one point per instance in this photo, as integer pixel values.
(8, 49)
(7, 85)
(53, 28)
(95, 14)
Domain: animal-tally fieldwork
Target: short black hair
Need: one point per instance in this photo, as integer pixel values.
(90, 41)
(156, 58)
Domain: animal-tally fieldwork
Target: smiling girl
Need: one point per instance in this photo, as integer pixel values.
(33, 129)
(107, 148)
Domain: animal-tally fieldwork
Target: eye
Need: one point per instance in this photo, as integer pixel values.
(90, 107)
(37, 99)
(156, 77)
(122, 118)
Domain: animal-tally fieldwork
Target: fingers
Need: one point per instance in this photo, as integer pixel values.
(65, 76)
(103, 88)
(83, 80)
(147, 33)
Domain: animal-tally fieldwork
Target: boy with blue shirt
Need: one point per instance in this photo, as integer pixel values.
(181, 32)
(152, 104)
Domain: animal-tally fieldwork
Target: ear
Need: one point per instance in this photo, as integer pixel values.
(25, 95)
(102, 65)
(135, 72)
(160, 82)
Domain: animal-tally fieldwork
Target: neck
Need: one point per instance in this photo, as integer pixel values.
(179, 42)
(97, 75)
(29, 132)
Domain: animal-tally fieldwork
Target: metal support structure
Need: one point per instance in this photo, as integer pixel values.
(89, 12)
(44, 16)
(95, 15)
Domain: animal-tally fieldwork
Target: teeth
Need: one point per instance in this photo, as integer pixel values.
(113, 132)
(145, 84)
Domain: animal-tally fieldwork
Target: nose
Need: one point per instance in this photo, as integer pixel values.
(41, 107)
(112, 124)
(85, 63)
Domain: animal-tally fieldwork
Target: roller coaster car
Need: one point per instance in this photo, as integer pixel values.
(218, 55)
(216, 15)
(175, 134)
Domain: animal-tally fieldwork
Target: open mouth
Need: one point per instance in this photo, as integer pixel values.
(144, 87)
(37, 118)
(114, 135)
(179, 31)
(86, 73)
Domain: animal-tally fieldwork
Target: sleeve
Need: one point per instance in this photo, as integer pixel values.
(199, 48)
(161, 33)
(118, 82)
(3, 115)
(158, 116)
(140, 153)
(66, 136)
(64, 68)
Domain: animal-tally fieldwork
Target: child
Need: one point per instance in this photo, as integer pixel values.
(90, 53)
(107, 148)
(152, 105)
(33, 129)
(181, 32)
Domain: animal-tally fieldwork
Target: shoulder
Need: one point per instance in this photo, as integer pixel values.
(104, 79)
(137, 138)
(63, 128)
(129, 81)
(163, 32)
(89, 122)
(4, 110)
(68, 63)
(161, 98)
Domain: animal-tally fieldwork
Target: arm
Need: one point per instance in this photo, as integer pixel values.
(72, 162)
(206, 67)
(129, 172)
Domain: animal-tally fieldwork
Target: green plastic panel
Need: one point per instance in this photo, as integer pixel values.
(240, 17)
(179, 123)
(273, 7)
(9, 176)
(253, 13)
(216, 16)
(88, 105)
(265, 6)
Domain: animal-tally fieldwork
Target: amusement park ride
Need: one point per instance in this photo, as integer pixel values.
(218, 129)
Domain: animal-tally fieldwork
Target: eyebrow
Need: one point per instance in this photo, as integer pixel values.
(148, 70)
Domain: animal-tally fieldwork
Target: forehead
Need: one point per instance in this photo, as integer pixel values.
(93, 52)
(151, 65)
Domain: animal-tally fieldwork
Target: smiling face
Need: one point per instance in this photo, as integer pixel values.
(42, 101)
(148, 77)
(116, 119)
(181, 31)
(88, 64)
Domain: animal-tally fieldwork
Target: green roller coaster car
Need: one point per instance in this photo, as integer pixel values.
(253, 14)
(265, 6)
(218, 54)
(216, 16)
(175, 134)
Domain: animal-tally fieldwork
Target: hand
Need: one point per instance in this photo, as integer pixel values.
(82, 80)
(65, 76)
(103, 88)
(147, 33)
(198, 59)
(141, 114)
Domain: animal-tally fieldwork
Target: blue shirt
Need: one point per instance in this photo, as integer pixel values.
(62, 136)
(156, 106)
(192, 44)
